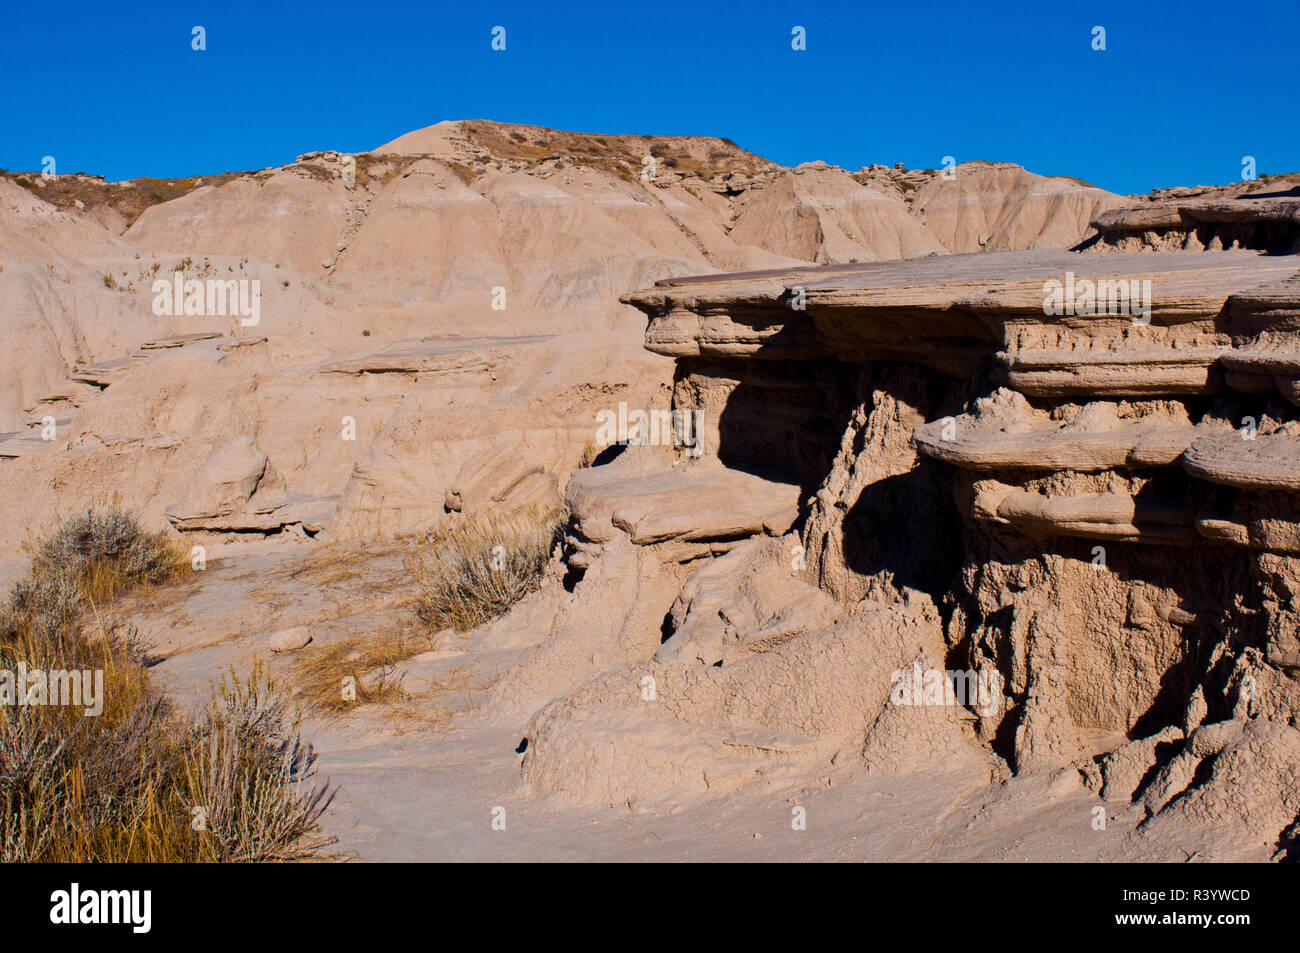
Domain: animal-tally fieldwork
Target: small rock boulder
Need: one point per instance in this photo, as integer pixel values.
(290, 640)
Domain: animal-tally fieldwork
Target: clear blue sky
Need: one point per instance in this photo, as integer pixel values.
(1183, 91)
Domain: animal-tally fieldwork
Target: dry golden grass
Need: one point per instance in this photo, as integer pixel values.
(335, 561)
(321, 674)
(618, 155)
(465, 575)
(138, 781)
(373, 669)
(474, 571)
(463, 172)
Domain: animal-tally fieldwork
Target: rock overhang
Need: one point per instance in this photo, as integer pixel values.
(1100, 391)
(951, 312)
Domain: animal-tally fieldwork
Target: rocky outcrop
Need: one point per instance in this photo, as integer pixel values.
(392, 281)
(702, 509)
(1267, 220)
(1077, 473)
(998, 206)
(1017, 508)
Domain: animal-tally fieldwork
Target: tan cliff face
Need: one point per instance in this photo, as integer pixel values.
(464, 228)
(994, 206)
(1090, 510)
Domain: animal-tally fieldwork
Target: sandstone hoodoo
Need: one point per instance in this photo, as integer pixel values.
(1096, 511)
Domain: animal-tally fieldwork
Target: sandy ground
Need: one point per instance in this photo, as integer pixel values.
(432, 797)
(417, 785)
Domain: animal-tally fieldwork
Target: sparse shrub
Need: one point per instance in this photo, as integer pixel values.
(123, 784)
(88, 560)
(476, 570)
(463, 172)
(253, 777)
(127, 640)
(46, 602)
(108, 546)
(318, 671)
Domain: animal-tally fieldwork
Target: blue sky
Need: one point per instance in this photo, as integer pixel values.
(1181, 94)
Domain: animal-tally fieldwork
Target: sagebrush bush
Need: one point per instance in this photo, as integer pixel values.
(109, 534)
(88, 560)
(253, 777)
(476, 570)
(140, 781)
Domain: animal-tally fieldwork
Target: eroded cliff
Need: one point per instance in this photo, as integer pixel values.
(1069, 478)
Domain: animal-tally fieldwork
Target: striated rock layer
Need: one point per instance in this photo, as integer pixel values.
(1090, 506)
(438, 321)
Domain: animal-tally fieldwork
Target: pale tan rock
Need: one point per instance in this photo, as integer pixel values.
(827, 217)
(997, 206)
(1246, 459)
(1097, 516)
(1127, 766)
(1232, 218)
(225, 481)
(289, 640)
(444, 320)
(1016, 437)
(689, 502)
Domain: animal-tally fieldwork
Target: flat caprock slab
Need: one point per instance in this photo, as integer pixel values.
(1247, 460)
(1155, 323)
(692, 502)
(949, 277)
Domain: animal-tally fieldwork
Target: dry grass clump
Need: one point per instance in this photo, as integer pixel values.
(463, 172)
(136, 780)
(252, 779)
(465, 575)
(87, 561)
(319, 672)
(475, 571)
(372, 667)
(141, 783)
(590, 451)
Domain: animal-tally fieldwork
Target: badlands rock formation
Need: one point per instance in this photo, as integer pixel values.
(402, 292)
(1090, 508)
(901, 464)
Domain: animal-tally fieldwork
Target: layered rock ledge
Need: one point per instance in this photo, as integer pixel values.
(1095, 509)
